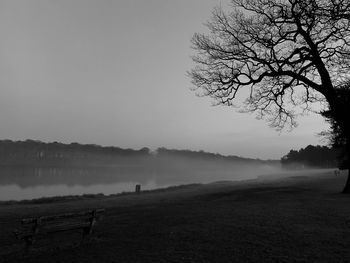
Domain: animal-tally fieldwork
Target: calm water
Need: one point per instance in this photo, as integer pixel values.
(18, 183)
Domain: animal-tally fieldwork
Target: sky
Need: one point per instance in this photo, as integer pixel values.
(113, 73)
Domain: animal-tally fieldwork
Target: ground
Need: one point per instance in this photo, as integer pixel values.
(301, 218)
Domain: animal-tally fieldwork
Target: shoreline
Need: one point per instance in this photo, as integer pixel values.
(66, 198)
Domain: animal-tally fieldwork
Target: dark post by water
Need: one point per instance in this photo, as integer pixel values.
(138, 188)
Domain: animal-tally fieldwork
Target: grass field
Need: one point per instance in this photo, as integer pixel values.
(300, 218)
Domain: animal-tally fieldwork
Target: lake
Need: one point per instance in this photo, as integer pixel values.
(18, 183)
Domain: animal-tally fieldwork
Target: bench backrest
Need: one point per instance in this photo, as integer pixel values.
(91, 214)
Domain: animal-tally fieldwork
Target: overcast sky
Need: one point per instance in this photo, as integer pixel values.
(113, 72)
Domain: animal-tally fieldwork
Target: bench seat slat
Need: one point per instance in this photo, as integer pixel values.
(98, 213)
(64, 227)
(21, 234)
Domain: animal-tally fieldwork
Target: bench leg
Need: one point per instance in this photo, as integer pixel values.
(87, 231)
(86, 234)
(29, 241)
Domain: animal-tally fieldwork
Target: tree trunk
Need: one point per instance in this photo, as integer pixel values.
(339, 107)
(346, 189)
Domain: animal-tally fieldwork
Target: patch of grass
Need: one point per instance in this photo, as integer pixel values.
(295, 220)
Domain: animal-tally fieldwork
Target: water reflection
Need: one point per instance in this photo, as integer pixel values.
(17, 183)
(15, 192)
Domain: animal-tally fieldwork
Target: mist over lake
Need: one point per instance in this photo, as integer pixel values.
(17, 183)
(34, 169)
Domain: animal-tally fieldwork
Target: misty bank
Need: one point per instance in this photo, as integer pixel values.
(300, 218)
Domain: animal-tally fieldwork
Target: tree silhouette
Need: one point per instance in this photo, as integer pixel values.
(311, 156)
(282, 54)
(336, 135)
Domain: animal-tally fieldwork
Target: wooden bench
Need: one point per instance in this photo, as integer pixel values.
(31, 228)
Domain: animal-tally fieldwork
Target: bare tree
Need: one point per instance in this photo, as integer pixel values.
(336, 136)
(283, 53)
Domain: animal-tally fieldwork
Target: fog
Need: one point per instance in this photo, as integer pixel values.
(28, 182)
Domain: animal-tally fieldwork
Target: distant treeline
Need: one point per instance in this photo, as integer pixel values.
(311, 156)
(207, 156)
(37, 153)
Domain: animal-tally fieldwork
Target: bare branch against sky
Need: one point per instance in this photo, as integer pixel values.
(114, 73)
